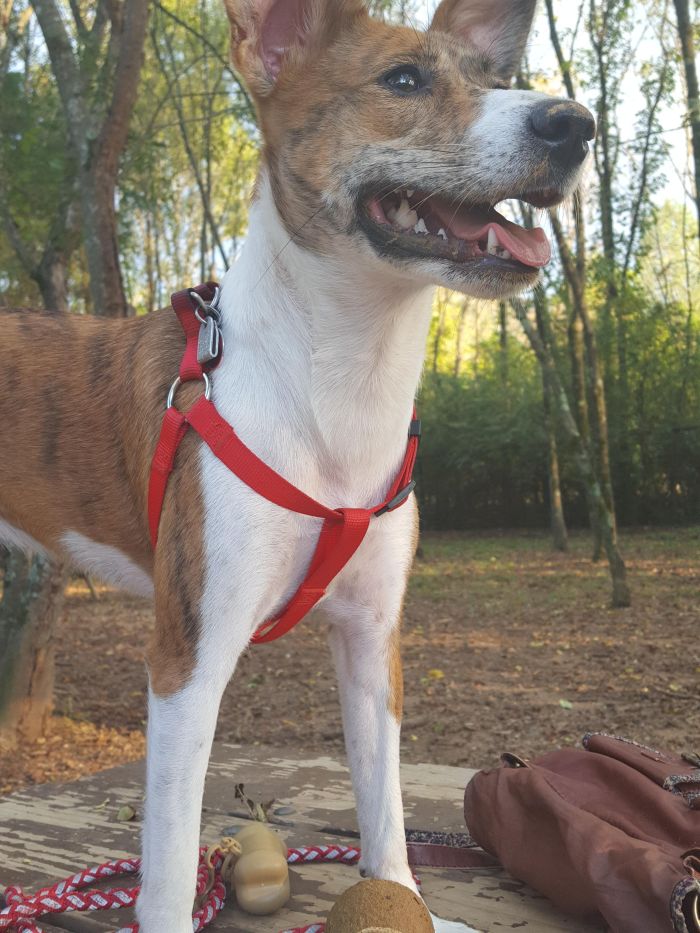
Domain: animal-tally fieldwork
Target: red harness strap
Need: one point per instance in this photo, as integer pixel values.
(342, 530)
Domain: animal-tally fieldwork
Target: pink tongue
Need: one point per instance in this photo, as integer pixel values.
(531, 247)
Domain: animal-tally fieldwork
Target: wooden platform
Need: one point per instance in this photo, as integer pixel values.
(55, 829)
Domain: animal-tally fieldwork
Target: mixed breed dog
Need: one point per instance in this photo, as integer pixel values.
(386, 150)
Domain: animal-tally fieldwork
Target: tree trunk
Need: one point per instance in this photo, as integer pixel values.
(101, 245)
(578, 374)
(439, 329)
(574, 266)
(556, 510)
(582, 455)
(574, 270)
(687, 40)
(601, 444)
(31, 605)
(150, 265)
(460, 336)
(97, 133)
(51, 277)
(503, 342)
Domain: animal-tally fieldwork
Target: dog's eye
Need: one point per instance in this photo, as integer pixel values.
(406, 79)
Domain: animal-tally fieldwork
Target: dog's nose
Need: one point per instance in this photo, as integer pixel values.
(566, 127)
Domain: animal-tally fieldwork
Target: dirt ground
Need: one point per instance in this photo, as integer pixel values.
(506, 646)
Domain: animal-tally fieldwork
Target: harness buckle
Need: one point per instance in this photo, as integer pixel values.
(206, 309)
(398, 499)
(210, 343)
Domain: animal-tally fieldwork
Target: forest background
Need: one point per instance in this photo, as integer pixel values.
(128, 151)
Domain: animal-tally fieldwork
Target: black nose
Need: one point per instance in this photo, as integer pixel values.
(566, 127)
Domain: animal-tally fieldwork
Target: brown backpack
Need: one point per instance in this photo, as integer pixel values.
(614, 829)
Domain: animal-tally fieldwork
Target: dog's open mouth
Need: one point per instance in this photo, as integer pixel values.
(428, 225)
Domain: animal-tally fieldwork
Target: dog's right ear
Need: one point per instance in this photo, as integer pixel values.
(264, 33)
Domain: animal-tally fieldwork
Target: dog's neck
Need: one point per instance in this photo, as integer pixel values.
(338, 346)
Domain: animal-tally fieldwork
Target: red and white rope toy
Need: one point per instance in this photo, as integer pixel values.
(68, 895)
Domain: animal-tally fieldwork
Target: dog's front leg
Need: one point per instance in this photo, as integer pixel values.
(365, 643)
(180, 733)
(369, 678)
(192, 657)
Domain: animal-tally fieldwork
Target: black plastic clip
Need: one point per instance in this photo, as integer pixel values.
(400, 497)
(415, 428)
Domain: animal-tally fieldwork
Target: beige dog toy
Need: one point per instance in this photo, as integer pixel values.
(379, 907)
(259, 873)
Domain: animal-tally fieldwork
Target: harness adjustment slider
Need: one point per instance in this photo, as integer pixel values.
(398, 499)
(208, 342)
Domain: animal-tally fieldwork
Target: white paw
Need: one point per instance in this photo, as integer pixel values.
(450, 926)
(397, 871)
(158, 921)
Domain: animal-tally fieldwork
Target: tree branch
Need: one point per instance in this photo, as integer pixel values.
(67, 73)
(27, 260)
(686, 36)
(568, 262)
(78, 19)
(644, 173)
(206, 206)
(131, 40)
(224, 62)
(564, 65)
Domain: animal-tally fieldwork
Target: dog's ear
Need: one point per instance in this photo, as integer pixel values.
(498, 28)
(264, 33)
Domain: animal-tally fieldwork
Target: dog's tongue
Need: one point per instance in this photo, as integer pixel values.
(530, 247)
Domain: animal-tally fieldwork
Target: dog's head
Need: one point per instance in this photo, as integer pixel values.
(389, 145)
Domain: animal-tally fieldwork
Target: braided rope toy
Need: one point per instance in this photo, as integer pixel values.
(23, 910)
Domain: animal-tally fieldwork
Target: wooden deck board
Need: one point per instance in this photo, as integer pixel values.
(53, 830)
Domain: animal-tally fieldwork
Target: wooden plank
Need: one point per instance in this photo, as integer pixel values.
(53, 830)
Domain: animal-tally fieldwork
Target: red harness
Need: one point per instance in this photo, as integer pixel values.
(343, 529)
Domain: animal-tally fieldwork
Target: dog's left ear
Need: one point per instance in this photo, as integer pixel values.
(266, 33)
(498, 28)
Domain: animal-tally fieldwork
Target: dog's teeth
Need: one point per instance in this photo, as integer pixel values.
(441, 232)
(420, 227)
(505, 254)
(391, 214)
(406, 218)
(492, 246)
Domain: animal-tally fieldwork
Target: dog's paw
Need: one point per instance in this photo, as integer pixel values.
(388, 871)
(450, 926)
(158, 921)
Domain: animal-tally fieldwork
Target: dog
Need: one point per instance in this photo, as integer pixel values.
(385, 152)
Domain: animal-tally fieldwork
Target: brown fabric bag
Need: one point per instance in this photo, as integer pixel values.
(614, 829)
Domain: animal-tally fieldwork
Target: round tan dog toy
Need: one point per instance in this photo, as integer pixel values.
(379, 907)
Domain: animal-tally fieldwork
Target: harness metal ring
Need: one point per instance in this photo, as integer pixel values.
(178, 382)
